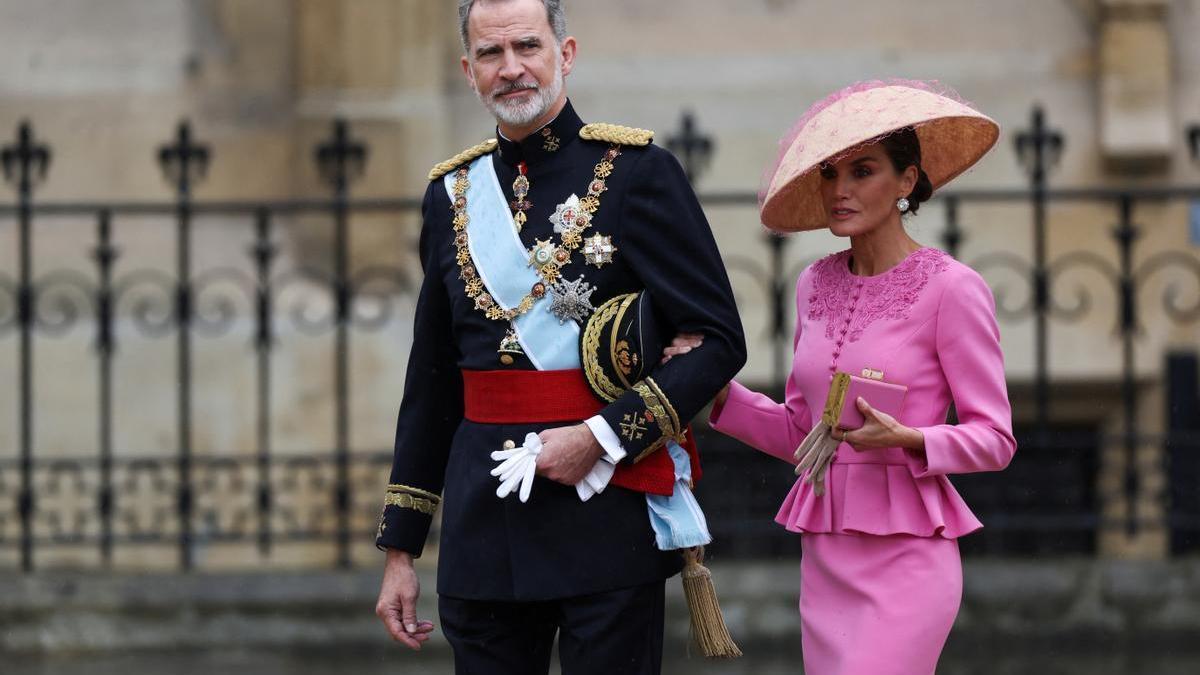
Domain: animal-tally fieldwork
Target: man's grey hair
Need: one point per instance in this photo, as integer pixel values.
(554, 14)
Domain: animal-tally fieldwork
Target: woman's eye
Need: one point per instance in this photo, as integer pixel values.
(828, 173)
(862, 172)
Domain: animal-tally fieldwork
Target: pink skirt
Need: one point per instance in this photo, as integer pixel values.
(877, 605)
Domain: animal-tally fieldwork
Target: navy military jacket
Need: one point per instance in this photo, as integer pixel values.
(554, 545)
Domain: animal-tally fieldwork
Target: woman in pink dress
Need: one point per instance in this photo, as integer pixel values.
(881, 578)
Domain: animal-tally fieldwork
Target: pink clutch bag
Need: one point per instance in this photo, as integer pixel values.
(841, 408)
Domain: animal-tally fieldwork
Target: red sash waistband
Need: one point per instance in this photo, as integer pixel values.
(527, 396)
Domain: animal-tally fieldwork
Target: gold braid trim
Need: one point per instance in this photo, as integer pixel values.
(664, 413)
(676, 432)
(591, 348)
(413, 498)
(461, 158)
(615, 133)
(407, 501)
(394, 487)
(612, 342)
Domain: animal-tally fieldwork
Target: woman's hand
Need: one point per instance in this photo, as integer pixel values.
(682, 344)
(880, 430)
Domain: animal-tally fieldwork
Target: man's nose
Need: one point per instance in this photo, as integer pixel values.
(511, 68)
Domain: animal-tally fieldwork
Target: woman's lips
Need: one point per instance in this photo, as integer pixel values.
(842, 213)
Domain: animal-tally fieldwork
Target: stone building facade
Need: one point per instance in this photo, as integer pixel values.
(105, 84)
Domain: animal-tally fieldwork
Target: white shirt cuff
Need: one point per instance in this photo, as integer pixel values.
(613, 452)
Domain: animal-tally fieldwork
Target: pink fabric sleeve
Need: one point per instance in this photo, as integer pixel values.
(758, 421)
(968, 348)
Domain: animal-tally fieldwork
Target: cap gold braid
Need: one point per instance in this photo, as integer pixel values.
(461, 158)
(615, 133)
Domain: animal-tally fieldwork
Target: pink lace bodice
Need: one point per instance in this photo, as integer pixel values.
(860, 301)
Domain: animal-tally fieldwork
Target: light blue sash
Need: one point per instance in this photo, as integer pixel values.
(502, 262)
(677, 520)
(503, 265)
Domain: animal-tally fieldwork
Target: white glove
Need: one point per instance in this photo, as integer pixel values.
(517, 467)
(596, 480)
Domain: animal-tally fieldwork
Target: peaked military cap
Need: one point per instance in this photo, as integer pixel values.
(620, 344)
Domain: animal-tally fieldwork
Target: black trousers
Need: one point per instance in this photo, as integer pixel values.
(615, 633)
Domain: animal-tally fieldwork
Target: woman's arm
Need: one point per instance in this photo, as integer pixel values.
(757, 420)
(968, 348)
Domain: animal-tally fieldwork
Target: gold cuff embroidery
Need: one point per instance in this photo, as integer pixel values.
(395, 487)
(660, 410)
(413, 498)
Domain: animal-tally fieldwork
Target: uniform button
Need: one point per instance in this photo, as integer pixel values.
(506, 359)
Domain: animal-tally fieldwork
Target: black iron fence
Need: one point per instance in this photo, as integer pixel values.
(1051, 499)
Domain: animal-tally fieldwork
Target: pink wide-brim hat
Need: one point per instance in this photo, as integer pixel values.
(953, 137)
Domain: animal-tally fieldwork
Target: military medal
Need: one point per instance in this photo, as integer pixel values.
(571, 300)
(598, 250)
(565, 215)
(510, 347)
(520, 188)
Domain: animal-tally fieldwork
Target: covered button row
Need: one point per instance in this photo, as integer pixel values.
(837, 351)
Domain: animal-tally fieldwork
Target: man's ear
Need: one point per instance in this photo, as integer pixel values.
(470, 75)
(569, 48)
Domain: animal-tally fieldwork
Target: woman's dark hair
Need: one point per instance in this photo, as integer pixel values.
(904, 149)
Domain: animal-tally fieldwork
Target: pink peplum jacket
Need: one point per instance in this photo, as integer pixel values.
(929, 323)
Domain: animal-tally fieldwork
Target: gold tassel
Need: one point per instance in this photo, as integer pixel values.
(708, 624)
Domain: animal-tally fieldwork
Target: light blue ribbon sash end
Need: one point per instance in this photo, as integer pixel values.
(678, 521)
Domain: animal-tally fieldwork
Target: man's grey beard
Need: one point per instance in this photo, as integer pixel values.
(524, 113)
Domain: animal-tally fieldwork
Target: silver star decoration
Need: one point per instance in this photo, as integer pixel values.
(571, 300)
(572, 204)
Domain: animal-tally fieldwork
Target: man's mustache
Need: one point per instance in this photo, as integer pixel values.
(513, 87)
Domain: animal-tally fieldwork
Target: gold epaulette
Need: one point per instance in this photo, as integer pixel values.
(615, 133)
(461, 158)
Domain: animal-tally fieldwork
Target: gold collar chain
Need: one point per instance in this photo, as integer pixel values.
(547, 258)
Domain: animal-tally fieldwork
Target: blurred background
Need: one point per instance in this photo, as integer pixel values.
(208, 226)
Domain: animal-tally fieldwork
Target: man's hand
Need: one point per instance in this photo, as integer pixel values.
(397, 605)
(568, 454)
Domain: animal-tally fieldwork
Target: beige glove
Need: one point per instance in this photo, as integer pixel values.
(815, 454)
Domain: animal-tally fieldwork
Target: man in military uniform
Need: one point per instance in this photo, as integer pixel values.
(524, 237)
